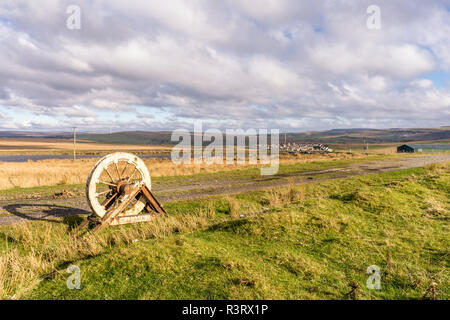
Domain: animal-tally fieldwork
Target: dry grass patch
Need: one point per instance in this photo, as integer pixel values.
(65, 171)
(234, 207)
(280, 197)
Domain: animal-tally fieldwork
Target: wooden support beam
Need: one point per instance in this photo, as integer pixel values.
(152, 200)
(116, 217)
(133, 219)
(110, 215)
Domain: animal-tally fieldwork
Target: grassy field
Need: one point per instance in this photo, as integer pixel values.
(310, 241)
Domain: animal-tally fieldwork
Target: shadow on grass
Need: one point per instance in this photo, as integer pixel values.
(47, 212)
(232, 225)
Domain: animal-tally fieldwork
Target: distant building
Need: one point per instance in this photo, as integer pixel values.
(303, 148)
(409, 148)
(405, 148)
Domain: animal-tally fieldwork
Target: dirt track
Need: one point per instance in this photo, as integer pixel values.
(54, 209)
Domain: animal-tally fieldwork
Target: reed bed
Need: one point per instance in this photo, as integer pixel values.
(64, 171)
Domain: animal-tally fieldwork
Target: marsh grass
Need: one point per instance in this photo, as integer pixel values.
(64, 172)
(285, 196)
(211, 210)
(234, 207)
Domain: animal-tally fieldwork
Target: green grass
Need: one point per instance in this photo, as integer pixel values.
(298, 242)
(42, 191)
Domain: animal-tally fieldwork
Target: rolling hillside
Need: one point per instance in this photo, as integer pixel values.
(345, 136)
(333, 136)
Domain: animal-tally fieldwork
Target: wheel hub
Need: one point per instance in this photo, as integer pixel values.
(124, 187)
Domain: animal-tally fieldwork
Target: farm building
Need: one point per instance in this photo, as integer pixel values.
(405, 148)
(409, 148)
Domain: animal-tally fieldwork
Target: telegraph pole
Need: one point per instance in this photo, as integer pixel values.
(74, 143)
(366, 146)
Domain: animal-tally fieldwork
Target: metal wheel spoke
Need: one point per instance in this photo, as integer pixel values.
(109, 174)
(103, 192)
(123, 172)
(117, 169)
(129, 178)
(107, 183)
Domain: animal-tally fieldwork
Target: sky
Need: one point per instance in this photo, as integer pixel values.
(160, 65)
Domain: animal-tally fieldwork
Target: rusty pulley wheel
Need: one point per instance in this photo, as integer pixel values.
(111, 180)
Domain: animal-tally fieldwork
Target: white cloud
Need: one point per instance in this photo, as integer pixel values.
(422, 83)
(292, 64)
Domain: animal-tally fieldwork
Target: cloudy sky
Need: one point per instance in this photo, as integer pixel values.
(155, 65)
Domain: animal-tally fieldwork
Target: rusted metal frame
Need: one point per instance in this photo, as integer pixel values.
(115, 217)
(106, 220)
(91, 218)
(108, 202)
(81, 226)
(152, 200)
(149, 207)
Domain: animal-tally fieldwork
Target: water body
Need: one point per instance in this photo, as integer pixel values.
(35, 157)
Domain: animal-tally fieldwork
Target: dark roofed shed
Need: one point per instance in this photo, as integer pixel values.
(405, 148)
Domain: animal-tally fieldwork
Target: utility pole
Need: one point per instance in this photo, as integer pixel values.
(74, 143)
(366, 146)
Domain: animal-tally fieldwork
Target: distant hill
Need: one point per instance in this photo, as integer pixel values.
(130, 137)
(334, 136)
(347, 136)
(344, 136)
(35, 134)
